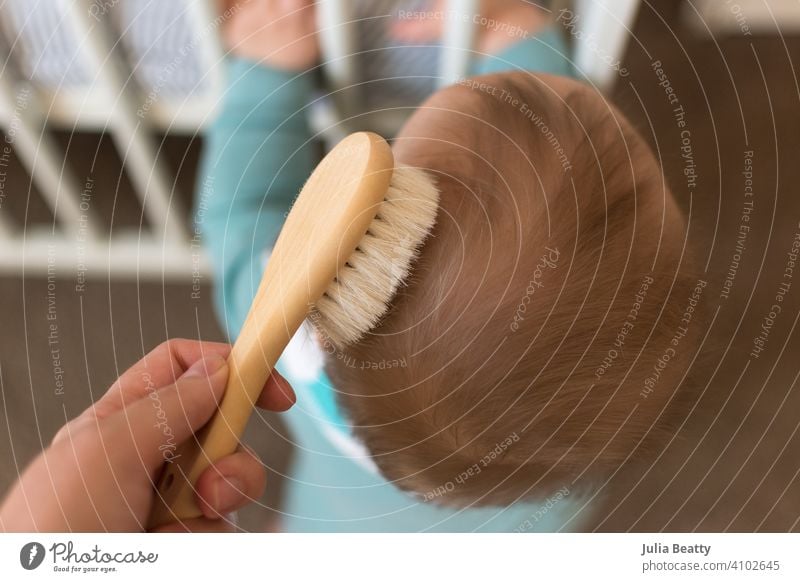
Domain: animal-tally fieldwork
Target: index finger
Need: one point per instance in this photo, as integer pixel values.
(277, 394)
(160, 367)
(163, 366)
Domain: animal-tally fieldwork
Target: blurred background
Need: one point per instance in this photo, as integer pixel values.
(102, 107)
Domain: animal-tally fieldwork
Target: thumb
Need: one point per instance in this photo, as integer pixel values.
(153, 427)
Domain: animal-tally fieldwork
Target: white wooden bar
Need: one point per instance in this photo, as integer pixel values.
(127, 255)
(458, 40)
(609, 25)
(89, 109)
(338, 45)
(149, 176)
(743, 17)
(25, 130)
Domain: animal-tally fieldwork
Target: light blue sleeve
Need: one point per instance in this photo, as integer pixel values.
(546, 52)
(257, 155)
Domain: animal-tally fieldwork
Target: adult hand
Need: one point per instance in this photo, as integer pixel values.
(98, 473)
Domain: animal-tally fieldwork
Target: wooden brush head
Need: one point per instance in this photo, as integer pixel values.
(361, 293)
(329, 218)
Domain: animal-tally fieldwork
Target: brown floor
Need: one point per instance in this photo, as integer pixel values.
(734, 464)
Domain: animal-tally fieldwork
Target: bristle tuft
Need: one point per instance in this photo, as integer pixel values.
(355, 302)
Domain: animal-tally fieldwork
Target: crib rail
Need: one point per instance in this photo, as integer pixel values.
(102, 95)
(108, 101)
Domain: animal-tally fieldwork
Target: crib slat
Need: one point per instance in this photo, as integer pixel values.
(147, 173)
(38, 152)
(337, 40)
(609, 25)
(125, 256)
(457, 41)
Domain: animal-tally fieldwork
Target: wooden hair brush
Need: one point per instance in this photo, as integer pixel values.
(346, 246)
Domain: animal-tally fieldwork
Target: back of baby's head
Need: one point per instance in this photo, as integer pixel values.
(534, 346)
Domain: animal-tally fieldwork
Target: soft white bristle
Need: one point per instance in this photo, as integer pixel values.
(355, 302)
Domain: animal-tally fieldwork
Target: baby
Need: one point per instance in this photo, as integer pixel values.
(542, 337)
(546, 325)
(540, 340)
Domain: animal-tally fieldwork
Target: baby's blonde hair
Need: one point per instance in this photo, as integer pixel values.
(525, 353)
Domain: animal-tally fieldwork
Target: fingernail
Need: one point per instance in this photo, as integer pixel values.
(227, 494)
(206, 367)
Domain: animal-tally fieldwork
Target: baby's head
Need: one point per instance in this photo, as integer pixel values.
(534, 344)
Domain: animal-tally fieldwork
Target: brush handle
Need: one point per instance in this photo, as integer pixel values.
(327, 222)
(267, 331)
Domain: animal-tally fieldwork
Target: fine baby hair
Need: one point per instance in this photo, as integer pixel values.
(547, 324)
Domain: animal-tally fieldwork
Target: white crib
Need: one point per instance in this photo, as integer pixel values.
(63, 68)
